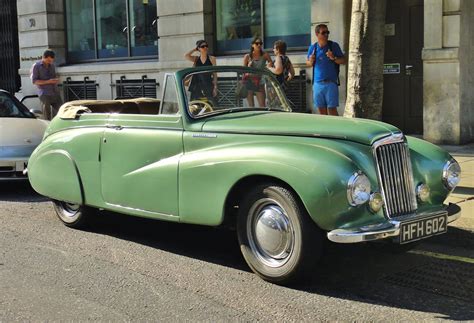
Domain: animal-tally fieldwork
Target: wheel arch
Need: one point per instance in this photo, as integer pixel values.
(238, 191)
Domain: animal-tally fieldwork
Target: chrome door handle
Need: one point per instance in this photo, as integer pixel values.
(408, 67)
(113, 126)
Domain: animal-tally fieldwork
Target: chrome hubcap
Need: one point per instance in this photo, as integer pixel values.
(270, 233)
(70, 209)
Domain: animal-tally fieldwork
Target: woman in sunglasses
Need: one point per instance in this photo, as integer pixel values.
(203, 85)
(256, 58)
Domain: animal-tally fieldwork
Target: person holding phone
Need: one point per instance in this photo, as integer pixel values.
(43, 75)
(325, 56)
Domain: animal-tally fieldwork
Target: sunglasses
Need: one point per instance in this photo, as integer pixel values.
(258, 43)
(325, 33)
(204, 46)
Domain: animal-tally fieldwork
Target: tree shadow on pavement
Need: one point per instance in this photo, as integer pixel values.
(357, 272)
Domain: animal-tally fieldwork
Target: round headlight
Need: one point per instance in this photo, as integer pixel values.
(358, 189)
(423, 192)
(451, 174)
(376, 202)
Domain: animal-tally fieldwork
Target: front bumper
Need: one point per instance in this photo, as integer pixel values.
(387, 229)
(13, 169)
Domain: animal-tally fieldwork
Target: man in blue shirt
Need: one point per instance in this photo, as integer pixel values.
(43, 75)
(324, 57)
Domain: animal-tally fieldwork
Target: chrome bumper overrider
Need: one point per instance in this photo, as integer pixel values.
(387, 229)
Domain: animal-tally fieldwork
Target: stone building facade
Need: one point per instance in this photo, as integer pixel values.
(447, 52)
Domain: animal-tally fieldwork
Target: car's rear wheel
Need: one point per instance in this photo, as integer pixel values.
(73, 215)
(278, 239)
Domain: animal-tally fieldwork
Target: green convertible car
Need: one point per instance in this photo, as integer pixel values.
(285, 180)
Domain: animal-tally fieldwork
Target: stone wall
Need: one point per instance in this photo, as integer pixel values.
(466, 60)
(40, 26)
(447, 71)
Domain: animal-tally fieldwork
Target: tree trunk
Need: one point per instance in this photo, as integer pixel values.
(366, 56)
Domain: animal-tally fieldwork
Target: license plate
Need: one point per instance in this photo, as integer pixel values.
(424, 228)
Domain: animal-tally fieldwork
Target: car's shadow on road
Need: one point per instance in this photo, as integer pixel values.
(415, 281)
(19, 191)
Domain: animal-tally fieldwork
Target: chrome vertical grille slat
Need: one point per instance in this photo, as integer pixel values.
(387, 179)
(395, 176)
(401, 178)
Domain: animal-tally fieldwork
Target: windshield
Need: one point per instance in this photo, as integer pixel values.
(10, 108)
(216, 92)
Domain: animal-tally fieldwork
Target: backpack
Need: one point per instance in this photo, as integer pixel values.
(338, 67)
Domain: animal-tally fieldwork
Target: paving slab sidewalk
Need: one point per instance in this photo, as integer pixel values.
(463, 195)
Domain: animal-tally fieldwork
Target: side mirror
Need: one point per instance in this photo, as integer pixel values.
(37, 113)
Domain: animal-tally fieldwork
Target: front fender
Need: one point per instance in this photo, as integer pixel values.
(428, 161)
(315, 171)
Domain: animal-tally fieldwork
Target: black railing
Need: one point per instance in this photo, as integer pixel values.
(80, 90)
(136, 88)
(296, 92)
(9, 50)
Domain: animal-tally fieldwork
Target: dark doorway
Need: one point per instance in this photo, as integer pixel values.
(403, 70)
(9, 53)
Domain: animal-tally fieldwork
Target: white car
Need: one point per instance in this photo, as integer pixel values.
(20, 132)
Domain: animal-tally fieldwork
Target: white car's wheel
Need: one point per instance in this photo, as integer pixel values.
(73, 215)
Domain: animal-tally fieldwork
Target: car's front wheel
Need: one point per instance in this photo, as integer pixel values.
(73, 215)
(278, 239)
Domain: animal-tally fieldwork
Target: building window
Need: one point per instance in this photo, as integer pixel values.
(238, 21)
(111, 29)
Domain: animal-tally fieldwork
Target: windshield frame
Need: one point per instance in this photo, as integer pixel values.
(20, 106)
(183, 74)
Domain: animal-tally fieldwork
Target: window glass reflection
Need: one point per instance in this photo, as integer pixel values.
(112, 28)
(288, 21)
(143, 20)
(80, 30)
(238, 21)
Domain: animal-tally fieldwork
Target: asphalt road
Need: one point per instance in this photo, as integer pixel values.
(129, 268)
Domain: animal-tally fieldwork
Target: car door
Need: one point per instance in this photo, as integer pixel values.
(139, 157)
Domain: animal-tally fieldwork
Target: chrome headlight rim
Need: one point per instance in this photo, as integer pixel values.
(352, 184)
(447, 169)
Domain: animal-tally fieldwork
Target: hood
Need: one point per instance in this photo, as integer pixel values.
(21, 131)
(300, 124)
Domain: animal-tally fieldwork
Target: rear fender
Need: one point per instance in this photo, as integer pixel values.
(55, 174)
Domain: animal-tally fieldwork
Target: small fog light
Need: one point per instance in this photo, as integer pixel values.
(376, 202)
(423, 192)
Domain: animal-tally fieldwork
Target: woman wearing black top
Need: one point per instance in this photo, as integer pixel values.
(283, 68)
(203, 85)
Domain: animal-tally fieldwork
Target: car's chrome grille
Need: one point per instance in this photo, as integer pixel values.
(395, 177)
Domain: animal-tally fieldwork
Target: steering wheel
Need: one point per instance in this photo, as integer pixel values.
(199, 107)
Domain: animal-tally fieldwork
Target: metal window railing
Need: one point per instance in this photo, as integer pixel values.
(136, 88)
(9, 53)
(296, 92)
(79, 90)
